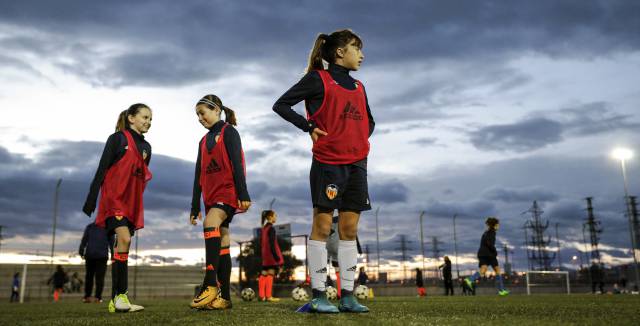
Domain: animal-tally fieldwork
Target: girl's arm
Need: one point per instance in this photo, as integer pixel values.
(197, 190)
(109, 155)
(492, 243)
(309, 87)
(83, 242)
(234, 148)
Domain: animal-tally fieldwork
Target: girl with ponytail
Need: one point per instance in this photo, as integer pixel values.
(339, 122)
(220, 180)
(121, 178)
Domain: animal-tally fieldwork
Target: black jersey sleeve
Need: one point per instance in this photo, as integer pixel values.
(308, 88)
(233, 144)
(197, 189)
(372, 123)
(109, 157)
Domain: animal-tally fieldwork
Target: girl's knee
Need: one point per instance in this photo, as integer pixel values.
(321, 230)
(348, 232)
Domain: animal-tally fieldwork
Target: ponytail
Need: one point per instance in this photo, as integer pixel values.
(123, 122)
(230, 116)
(315, 56)
(325, 46)
(123, 118)
(265, 215)
(213, 102)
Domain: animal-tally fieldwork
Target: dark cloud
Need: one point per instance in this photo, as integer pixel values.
(522, 136)
(392, 191)
(462, 208)
(509, 195)
(165, 43)
(596, 118)
(545, 128)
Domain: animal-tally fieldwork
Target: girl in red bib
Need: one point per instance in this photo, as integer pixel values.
(121, 178)
(339, 122)
(220, 180)
(272, 259)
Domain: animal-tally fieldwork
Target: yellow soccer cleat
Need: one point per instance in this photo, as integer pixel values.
(273, 299)
(205, 297)
(219, 304)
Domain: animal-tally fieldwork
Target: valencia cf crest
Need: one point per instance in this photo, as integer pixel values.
(331, 191)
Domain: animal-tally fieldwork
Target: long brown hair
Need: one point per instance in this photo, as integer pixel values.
(325, 46)
(123, 118)
(212, 101)
(266, 214)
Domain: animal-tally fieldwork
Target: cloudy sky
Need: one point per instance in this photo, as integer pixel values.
(481, 107)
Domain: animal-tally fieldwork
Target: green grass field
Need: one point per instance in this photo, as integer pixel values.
(513, 310)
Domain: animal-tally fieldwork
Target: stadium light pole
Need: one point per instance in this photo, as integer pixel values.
(558, 241)
(377, 245)
(55, 218)
(422, 238)
(455, 243)
(624, 154)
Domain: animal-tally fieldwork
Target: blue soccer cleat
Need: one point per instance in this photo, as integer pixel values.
(322, 305)
(469, 283)
(349, 303)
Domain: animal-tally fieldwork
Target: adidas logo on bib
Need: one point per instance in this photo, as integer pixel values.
(213, 167)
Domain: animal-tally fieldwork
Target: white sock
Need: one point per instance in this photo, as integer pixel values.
(318, 264)
(348, 261)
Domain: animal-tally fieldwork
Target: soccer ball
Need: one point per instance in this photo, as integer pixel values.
(332, 293)
(361, 292)
(248, 294)
(299, 294)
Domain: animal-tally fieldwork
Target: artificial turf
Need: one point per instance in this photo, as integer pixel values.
(488, 310)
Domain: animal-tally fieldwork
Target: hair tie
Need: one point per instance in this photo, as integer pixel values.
(208, 102)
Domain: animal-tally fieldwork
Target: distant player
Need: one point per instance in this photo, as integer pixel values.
(446, 276)
(488, 256)
(15, 288)
(420, 283)
(272, 259)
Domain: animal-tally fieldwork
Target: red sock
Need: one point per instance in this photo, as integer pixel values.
(269, 286)
(338, 283)
(56, 294)
(261, 286)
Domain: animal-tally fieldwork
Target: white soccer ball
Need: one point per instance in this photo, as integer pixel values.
(248, 294)
(332, 293)
(361, 292)
(299, 294)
